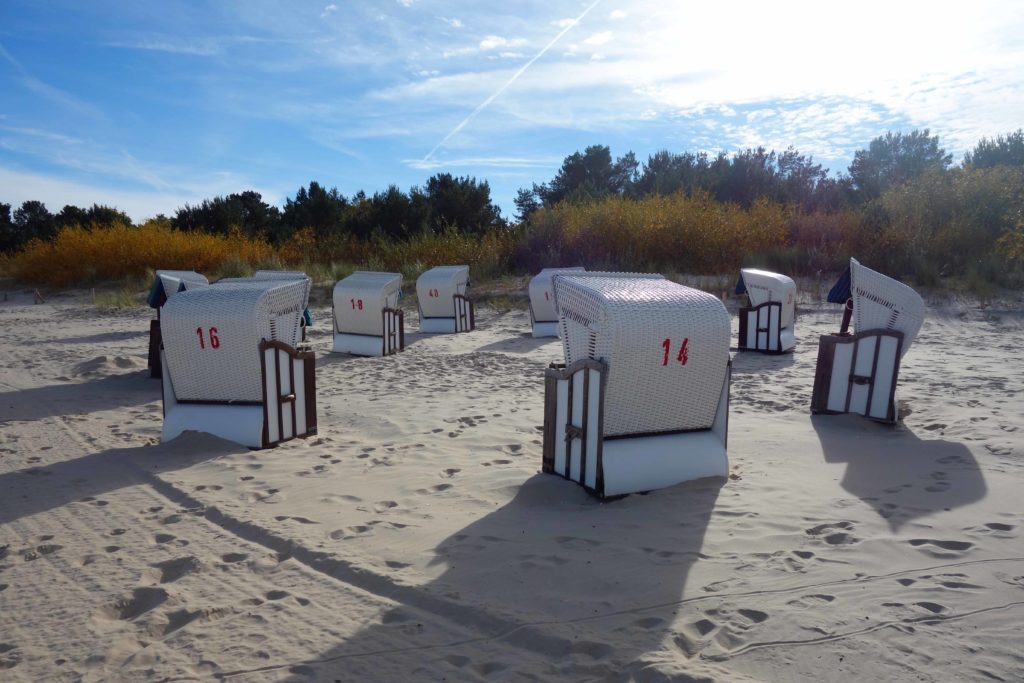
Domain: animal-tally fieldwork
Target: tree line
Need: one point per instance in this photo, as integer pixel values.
(789, 178)
(445, 201)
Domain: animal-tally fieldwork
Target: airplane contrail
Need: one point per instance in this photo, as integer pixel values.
(517, 74)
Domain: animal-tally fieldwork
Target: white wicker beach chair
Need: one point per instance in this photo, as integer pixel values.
(367, 320)
(857, 373)
(263, 275)
(231, 366)
(166, 284)
(767, 325)
(543, 315)
(642, 400)
(443, 305)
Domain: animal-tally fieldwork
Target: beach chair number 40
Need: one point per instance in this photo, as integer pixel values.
(212, 334)
(684, 351)
(357, 303)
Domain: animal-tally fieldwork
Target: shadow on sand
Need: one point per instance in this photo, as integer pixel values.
(900, 475)
(107, 393)
(551, 586)
(39, 489)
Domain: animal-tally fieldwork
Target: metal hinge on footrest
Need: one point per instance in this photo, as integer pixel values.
(860, 379)
(287, 398)
(573, 432)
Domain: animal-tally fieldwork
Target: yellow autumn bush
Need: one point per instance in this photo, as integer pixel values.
(79, 255)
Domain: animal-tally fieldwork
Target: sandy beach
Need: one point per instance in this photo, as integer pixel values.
(415, 539)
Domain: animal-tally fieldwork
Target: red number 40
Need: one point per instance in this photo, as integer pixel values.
(684, 351)
(214, 339)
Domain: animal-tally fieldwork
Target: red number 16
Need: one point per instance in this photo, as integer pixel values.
(682, 356)
(214, 339)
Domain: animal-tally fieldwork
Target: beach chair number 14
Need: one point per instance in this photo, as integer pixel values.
(214, 339)
(684, 351)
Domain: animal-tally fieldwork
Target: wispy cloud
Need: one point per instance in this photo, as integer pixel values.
(49, 92)
(495, 162)
(510, 81)
(328, 10)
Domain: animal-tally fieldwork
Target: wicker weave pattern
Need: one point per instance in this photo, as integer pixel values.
(373, 292)
(265, 275)
(243, 314)
(624, 322)
(447, 281)
(881, 303)
(542, 298)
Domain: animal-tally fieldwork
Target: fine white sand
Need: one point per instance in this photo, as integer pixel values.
(414, 539)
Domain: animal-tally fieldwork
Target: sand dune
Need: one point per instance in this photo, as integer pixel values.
(414, 538)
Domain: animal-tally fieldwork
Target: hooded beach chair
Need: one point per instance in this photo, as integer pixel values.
(367, 320)
(642, 401)
(857, 372)
(441, 297)
(543, 316)
(766, 325)
(307, 317)
(166, 284)
(232, 365)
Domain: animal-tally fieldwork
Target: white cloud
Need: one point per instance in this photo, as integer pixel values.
(495, 162)
(454, 23)
(617, 14)
(491, 42)
(563, 23)
(330, 9)
(598, 38)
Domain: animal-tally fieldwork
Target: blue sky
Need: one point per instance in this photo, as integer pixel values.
(147, 106)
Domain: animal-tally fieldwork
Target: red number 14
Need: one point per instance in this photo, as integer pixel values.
(684, 351)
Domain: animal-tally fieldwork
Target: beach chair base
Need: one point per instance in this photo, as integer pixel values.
(545, 329)
(391, 342)
(464, 319)
(576, 449)
(155, 367)
(760, 329)
(287, 411)
(856, 373)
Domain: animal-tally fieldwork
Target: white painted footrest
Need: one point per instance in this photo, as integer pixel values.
(575, 446)
(287, 410)
(857, 373)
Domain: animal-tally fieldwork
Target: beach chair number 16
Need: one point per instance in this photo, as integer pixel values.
(214, 339)
(684, 351)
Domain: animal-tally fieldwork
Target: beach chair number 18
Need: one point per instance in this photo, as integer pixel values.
(684, 351)
(357, 303)
(214, 339)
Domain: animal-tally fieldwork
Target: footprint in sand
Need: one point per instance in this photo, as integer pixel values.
(141, 601)
(933, 547)
(170, 571)
(233, 558)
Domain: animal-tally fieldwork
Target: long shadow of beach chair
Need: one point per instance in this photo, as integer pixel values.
(642, 400)
(367, 319)
(857, 372)
(233, 366)
(166, 284)
(767, 324)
